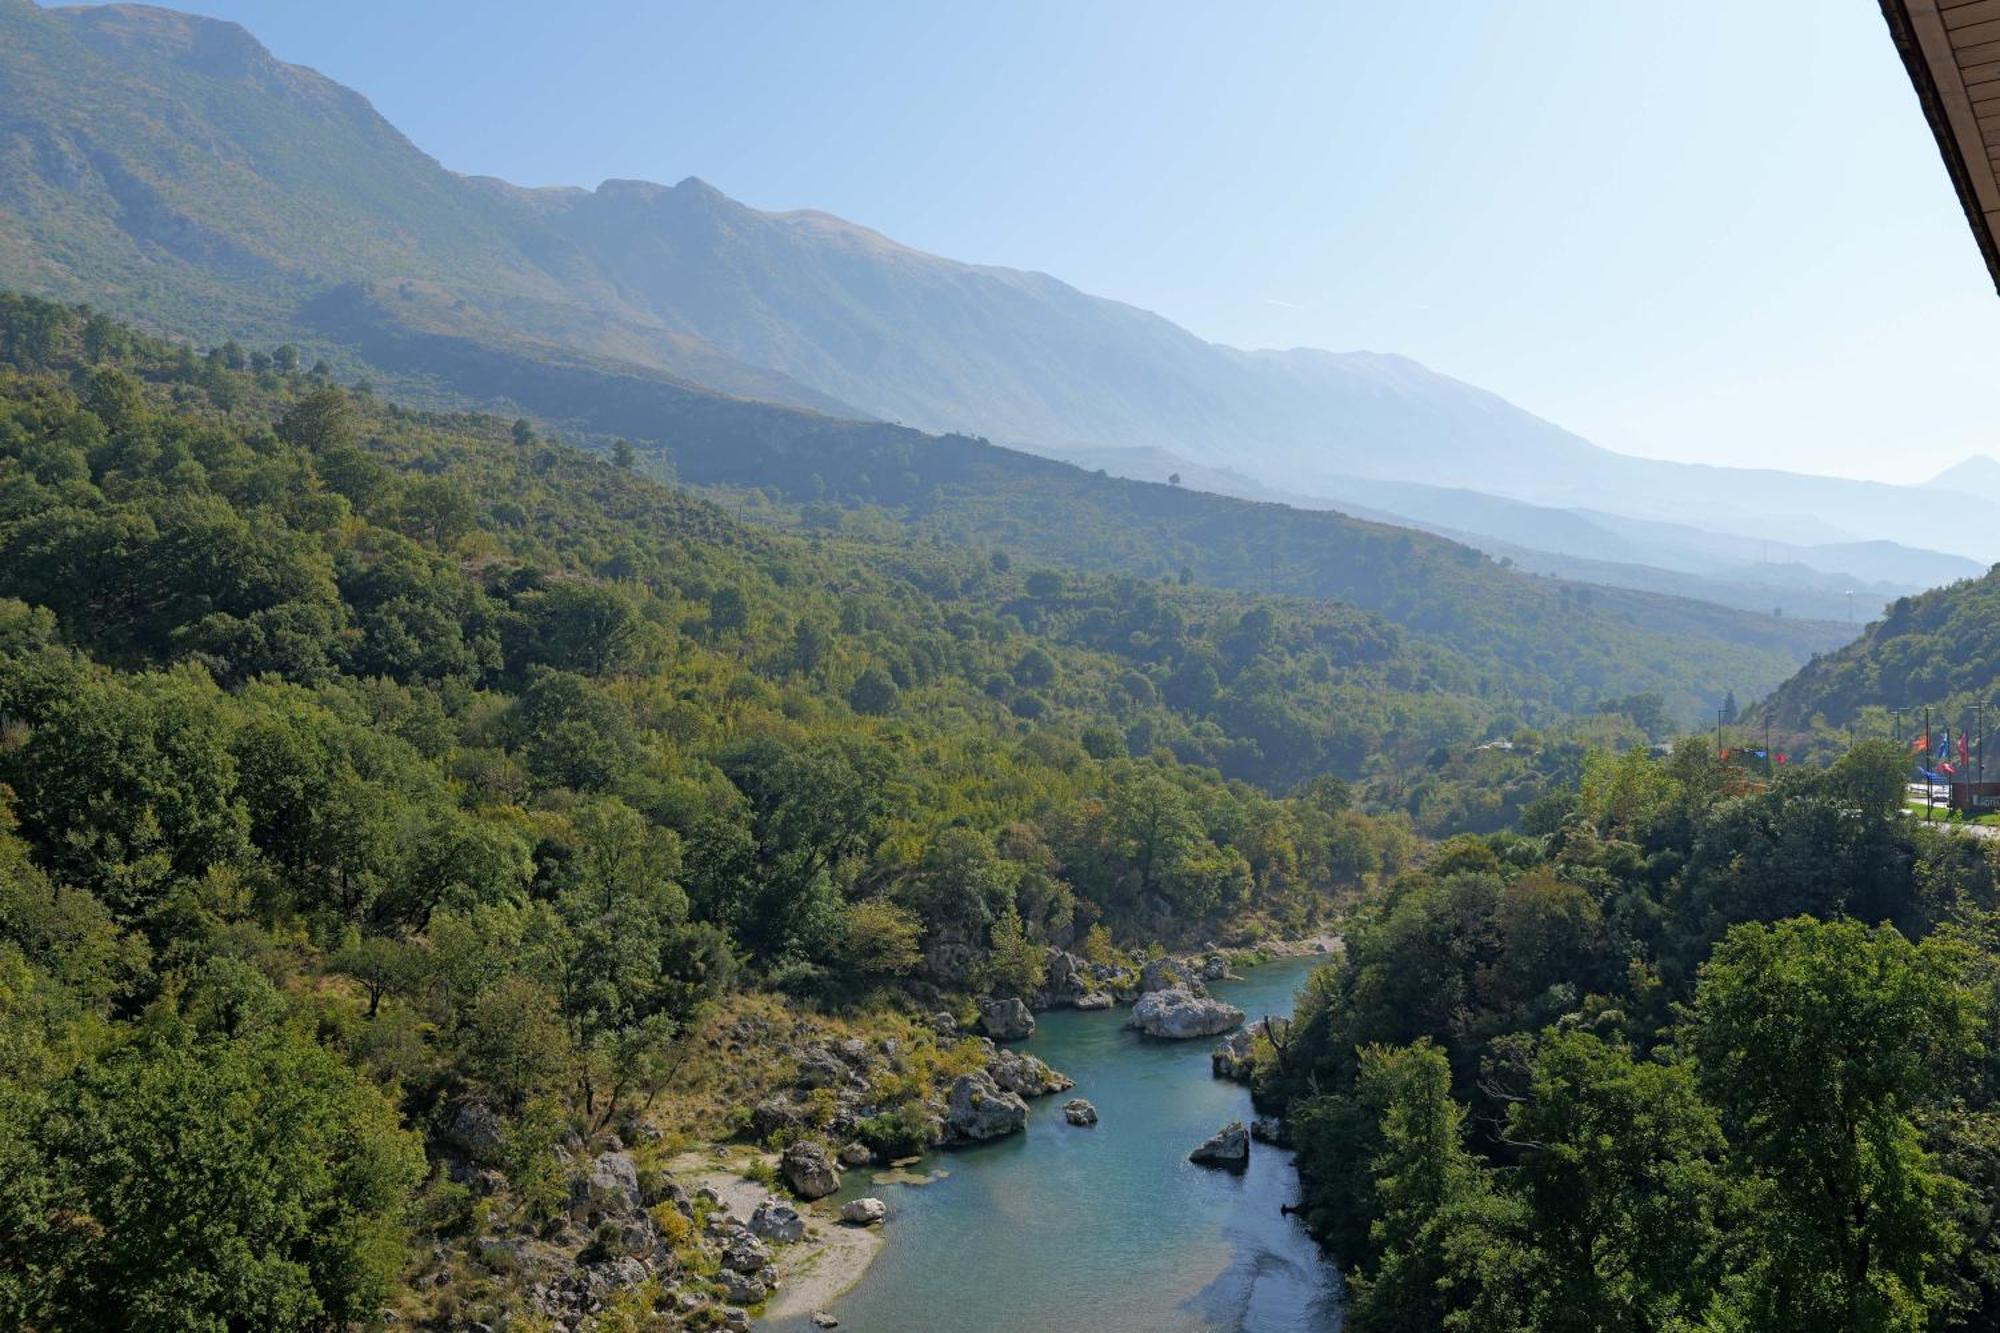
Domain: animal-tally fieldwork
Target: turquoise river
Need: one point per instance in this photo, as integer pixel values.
(1110, 1228)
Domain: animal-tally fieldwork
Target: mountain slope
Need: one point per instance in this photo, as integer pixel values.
(1555, 645)
(464, 321)
(1978, 476)
(168, 167)
(1939, 650)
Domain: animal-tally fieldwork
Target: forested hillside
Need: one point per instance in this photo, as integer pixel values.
(1557, 645)
(1940, 649)
(395, 769)
(1684, 1052)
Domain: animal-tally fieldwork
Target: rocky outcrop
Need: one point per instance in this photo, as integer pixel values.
(1228, 1146)
(1079, 1112)
(1006, 1020)
(1231, 1057)
(609, 1187)
(1019, 1072)
(779, 1221)
(775, 1113)
(741, 1251)
(1096, 999)
(856, 1154)
(863, 1212)
(978, 1109)
(475, 1129)
(743, 1288)
(808, 1170)
(1214, 966)
(1169, 974)
(1270, 1129)
(1063, 979)
(1178, 1014)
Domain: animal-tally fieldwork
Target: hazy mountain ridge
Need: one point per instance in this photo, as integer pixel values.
(221, 189)
(1978, 475)
(622, 310)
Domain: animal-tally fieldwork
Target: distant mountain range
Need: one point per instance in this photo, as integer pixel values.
(169, 168)
(1977, 476)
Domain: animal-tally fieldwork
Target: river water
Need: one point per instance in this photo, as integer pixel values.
(1111, 1228)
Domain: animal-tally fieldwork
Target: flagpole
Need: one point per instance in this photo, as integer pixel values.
(1927, 769)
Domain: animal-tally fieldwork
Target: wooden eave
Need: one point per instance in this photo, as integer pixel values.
(1951, 49)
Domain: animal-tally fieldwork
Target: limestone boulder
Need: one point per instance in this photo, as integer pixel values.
(978, 1109)
(808, 1170)
(1227, 1147)
(1006, 1020)
(1177, 1015)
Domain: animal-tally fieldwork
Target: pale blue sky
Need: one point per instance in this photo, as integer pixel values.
(1713, 230)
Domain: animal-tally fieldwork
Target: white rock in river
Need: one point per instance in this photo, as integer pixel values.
(1017, 1071)
(1231, 1057)
(1228, 1146)
(1178, 1014)
(1079, 1112)
(864, 1212)
(979, 1109)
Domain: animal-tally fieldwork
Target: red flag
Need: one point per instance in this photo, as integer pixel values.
(1964, 754)
(1922, 742)
(1782, 757)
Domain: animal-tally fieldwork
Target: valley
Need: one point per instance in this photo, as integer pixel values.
(587, 760)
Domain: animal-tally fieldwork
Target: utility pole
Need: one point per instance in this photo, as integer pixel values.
(1718, 735)
(1896, 724)
(1767, 745)
(1926, 768)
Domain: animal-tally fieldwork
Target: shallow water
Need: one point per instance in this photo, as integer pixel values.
(1110, 1228)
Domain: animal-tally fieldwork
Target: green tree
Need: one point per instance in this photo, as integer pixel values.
(201, 1181)
(880, 939)
(320, 422)
(1035, 669)
(439, 510)
(1822, 1043)
(585, 627)
(1424, 1182)
(873, 692)
(128, 786)
(1620, 1167)
(811, 810)
(1014, 964)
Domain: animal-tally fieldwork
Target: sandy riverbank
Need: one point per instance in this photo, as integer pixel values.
(811, 1273)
